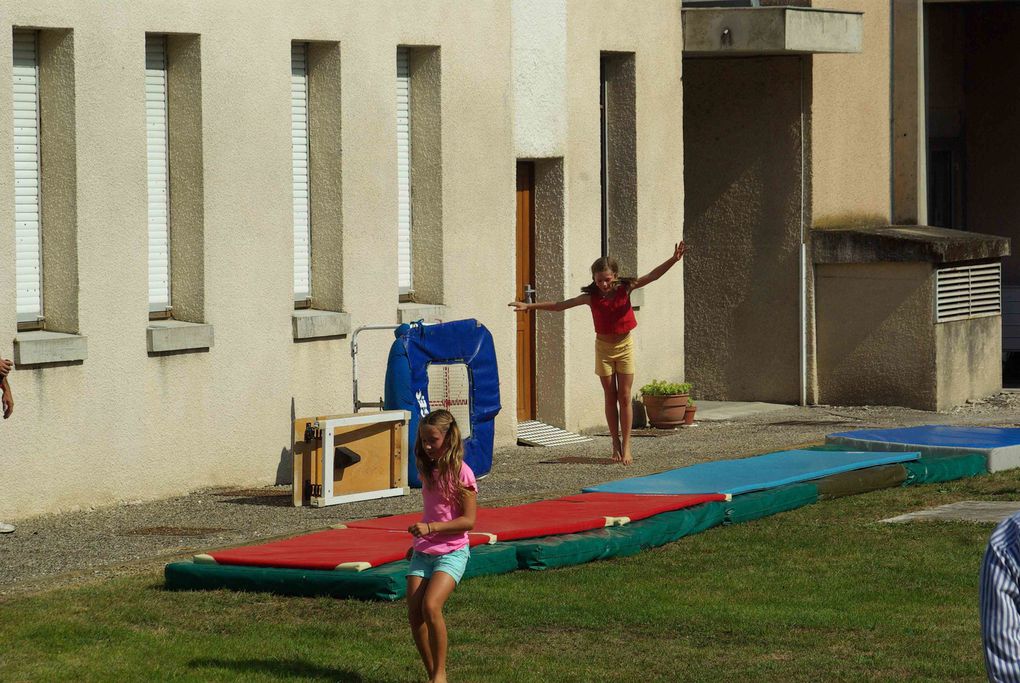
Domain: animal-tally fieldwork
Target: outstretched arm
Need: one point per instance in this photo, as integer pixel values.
(520, 306)
(660, 270)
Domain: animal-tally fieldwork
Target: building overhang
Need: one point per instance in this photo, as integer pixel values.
(905, 243)
(770, 31)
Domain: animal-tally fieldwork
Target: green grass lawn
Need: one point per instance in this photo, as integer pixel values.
(824, 593)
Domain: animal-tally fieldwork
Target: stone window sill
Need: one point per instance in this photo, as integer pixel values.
(165, 336)
(411, 312)
(40, 347)
(311, 323)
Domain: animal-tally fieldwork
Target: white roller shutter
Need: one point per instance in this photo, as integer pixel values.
(157, 155)
(404, 170)
(299, 157)
(27, 224)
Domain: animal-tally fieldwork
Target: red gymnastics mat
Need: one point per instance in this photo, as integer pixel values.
(333, 549)
(544, 518)
(628, 507)
(567, 515)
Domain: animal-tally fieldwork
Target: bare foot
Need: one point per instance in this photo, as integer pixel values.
(439, 678)
(628, 459)
(617, 449)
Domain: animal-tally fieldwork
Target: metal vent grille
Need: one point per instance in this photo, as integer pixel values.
(534, 433)
(963, 292)
(450, 388)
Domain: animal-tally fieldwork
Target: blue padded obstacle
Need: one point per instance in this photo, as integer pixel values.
(1000, 445)
(457, 343)
(753, 474)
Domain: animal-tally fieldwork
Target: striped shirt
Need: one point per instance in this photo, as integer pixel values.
(1000, 602)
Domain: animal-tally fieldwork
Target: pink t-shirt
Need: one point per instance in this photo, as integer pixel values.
(439, 508)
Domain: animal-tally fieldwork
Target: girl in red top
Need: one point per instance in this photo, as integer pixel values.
(609, 298)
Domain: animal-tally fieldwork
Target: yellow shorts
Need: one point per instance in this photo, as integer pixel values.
(618, 357)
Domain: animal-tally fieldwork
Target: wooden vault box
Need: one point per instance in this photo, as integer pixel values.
(346, 458)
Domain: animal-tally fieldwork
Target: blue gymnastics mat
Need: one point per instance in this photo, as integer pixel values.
(753, 474)
(1000, 445)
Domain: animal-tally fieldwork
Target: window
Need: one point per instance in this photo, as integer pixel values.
(618, 147)
(174, 172)
(27, 180)
(404, 275)
(300, 167)
(419, 175)
(158, 170)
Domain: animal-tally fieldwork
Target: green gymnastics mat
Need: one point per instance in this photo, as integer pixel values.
(551, 552)
(750, 506)
(385, 582)
(861, 481)
(934, 468)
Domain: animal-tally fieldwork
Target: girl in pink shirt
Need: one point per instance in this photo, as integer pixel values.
(440, 552)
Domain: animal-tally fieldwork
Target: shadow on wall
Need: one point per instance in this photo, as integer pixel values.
(285, 468)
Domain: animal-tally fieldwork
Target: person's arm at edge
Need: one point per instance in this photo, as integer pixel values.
(7, 397)
(660, 270)
(579, 300)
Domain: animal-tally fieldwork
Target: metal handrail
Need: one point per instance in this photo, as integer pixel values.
(358, 405)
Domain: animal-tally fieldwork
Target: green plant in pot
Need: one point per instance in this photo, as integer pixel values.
(665, 402)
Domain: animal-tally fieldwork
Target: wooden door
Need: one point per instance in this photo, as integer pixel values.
(525, 281)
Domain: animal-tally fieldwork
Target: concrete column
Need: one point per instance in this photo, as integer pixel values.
(909, 140)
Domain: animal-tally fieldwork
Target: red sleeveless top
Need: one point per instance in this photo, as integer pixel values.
(613, 314)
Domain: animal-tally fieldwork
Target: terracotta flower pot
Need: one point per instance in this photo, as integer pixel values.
(665, 412)
(689, 414)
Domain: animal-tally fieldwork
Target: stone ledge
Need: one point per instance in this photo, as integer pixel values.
(763, 31)
(40, 347)
(311, 323)
(411, 312)
(163, 336)
(904, 243)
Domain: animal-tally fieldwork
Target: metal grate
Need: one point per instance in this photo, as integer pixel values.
(534, 433)
(450, 388)
(963, 292)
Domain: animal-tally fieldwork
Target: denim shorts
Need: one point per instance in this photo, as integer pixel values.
(453, 563)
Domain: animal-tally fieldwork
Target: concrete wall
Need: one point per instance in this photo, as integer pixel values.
(568, 149)
(969, 360)
(742, 190)
(124, 425)
(850, 139)
(876, 344)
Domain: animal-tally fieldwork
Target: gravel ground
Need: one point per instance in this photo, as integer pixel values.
(74, 548)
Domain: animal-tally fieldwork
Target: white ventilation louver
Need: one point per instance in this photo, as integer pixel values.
(963, 292)
(450, 388)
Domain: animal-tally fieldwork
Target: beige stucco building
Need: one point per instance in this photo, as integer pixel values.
(209, 198)
(799, 155)
(405, 108)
